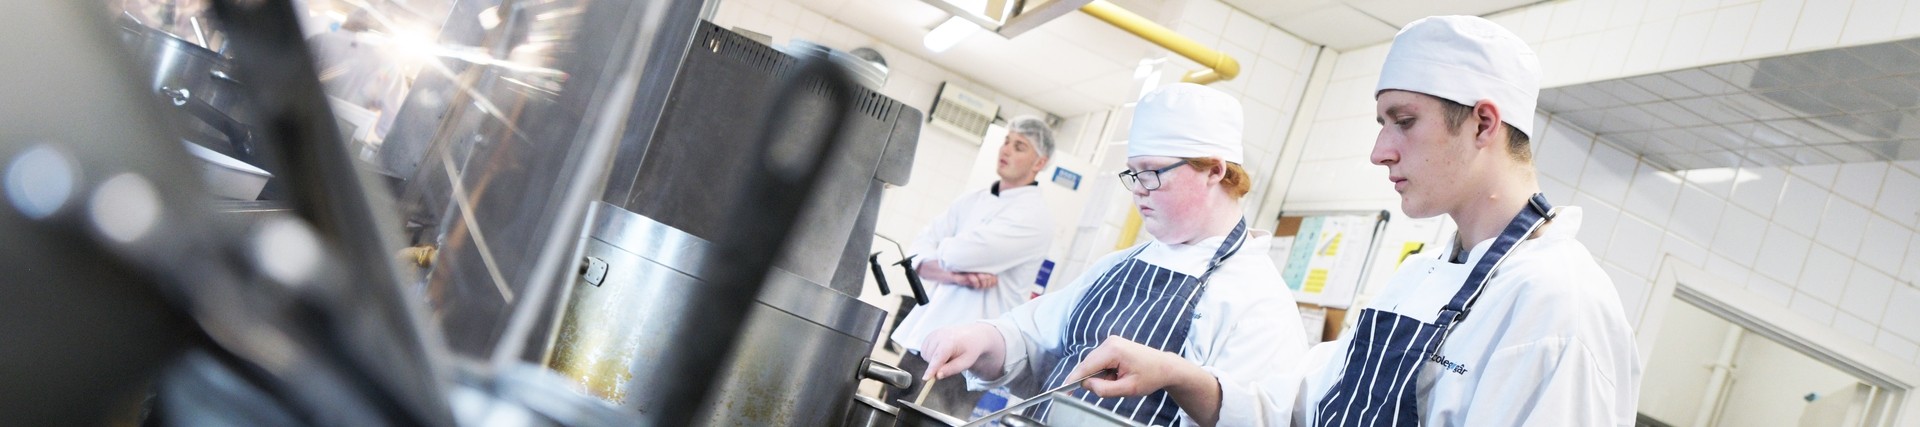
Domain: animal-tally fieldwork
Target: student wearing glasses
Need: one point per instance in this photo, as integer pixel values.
(1202, 288)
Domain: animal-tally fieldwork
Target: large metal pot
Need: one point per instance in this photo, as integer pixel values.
(197, 82)
(802, 350)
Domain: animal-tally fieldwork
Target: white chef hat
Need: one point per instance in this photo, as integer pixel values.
(1186, 120)
(1466, 59)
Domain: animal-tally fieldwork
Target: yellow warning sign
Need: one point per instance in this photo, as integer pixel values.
(1332, 246)
(1316, 281)
(1408, 250)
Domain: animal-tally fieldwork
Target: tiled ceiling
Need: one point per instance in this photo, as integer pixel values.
(1070, 65)
(1854, 104)
(1348, 24)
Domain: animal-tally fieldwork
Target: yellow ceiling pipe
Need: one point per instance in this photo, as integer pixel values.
(1219, 65)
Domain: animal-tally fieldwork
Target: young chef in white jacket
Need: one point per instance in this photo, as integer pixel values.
(1519, 328)
(1203, 288)
(981, 257)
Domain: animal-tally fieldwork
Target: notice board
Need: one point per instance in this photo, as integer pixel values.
(1328, 254)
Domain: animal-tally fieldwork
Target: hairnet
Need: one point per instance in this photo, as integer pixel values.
(1035, 130)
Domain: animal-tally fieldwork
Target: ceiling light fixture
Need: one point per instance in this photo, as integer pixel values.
(949, 33)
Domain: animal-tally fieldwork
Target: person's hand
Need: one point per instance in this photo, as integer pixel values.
(1139, 370)
(980, 280)
(954, 349)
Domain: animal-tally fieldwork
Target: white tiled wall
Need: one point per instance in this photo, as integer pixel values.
(1812, 239)
(1273, 76)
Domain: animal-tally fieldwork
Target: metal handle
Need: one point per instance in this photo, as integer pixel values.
(238, 136)
(879, 275)
(893, 377)
(913, 279)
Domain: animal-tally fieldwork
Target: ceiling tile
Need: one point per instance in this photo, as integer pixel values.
(1274, 11)
(1663, 86)
(1712, 109)
(1782, 72)
(1586, 119)
(1551, 101)
(1909, 126)
(1101, 38)
(1838, 64)
(1672, 113)
(1339, 27)
(1709, 138)
(1849, 153)
(1627, 92)
(1805, 132)
(1754, 106)
(1800, 155)
(1891, 90)
(1799, 102)
(1856, 104)
(1863, 127)
(1592, 97)
(1847, 98)
(1701, 81)
(1896, 150)
(1401, 12)
(1888, 58)
(1623, 119)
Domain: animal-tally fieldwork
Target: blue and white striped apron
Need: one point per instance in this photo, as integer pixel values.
(1376, 387)
(1144, 303)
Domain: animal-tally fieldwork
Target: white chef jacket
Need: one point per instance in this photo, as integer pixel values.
(1244, 325)
(1005, 232)
(1547, 344)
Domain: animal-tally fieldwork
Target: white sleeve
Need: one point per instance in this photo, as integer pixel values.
(1552, 382)
(1015, 235)
(1279, 399)
(1035, 329)
(1261, 341)
(927, 244)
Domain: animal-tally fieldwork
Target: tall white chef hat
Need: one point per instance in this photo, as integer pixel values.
(1187, 120)
(1466, 59)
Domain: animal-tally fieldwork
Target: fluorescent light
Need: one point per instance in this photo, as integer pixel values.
(949, 33)
(1716, 175)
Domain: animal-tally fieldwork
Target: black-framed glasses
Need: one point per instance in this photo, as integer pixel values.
(1146, 180)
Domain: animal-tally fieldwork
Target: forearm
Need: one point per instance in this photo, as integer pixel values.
(931, 270)
(1196, 391)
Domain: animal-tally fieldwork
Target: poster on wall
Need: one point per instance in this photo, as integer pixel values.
(1328, 256)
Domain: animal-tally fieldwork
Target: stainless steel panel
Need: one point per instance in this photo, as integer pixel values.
(698, 145)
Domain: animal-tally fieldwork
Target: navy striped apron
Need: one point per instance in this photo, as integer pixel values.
(1144, 303)
(1376, 387)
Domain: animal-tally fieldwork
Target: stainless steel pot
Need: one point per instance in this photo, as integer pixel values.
(802, 351)
(912, 415)
(198, 83)
(870, 412)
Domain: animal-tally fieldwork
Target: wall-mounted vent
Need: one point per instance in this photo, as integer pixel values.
(964, 113)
